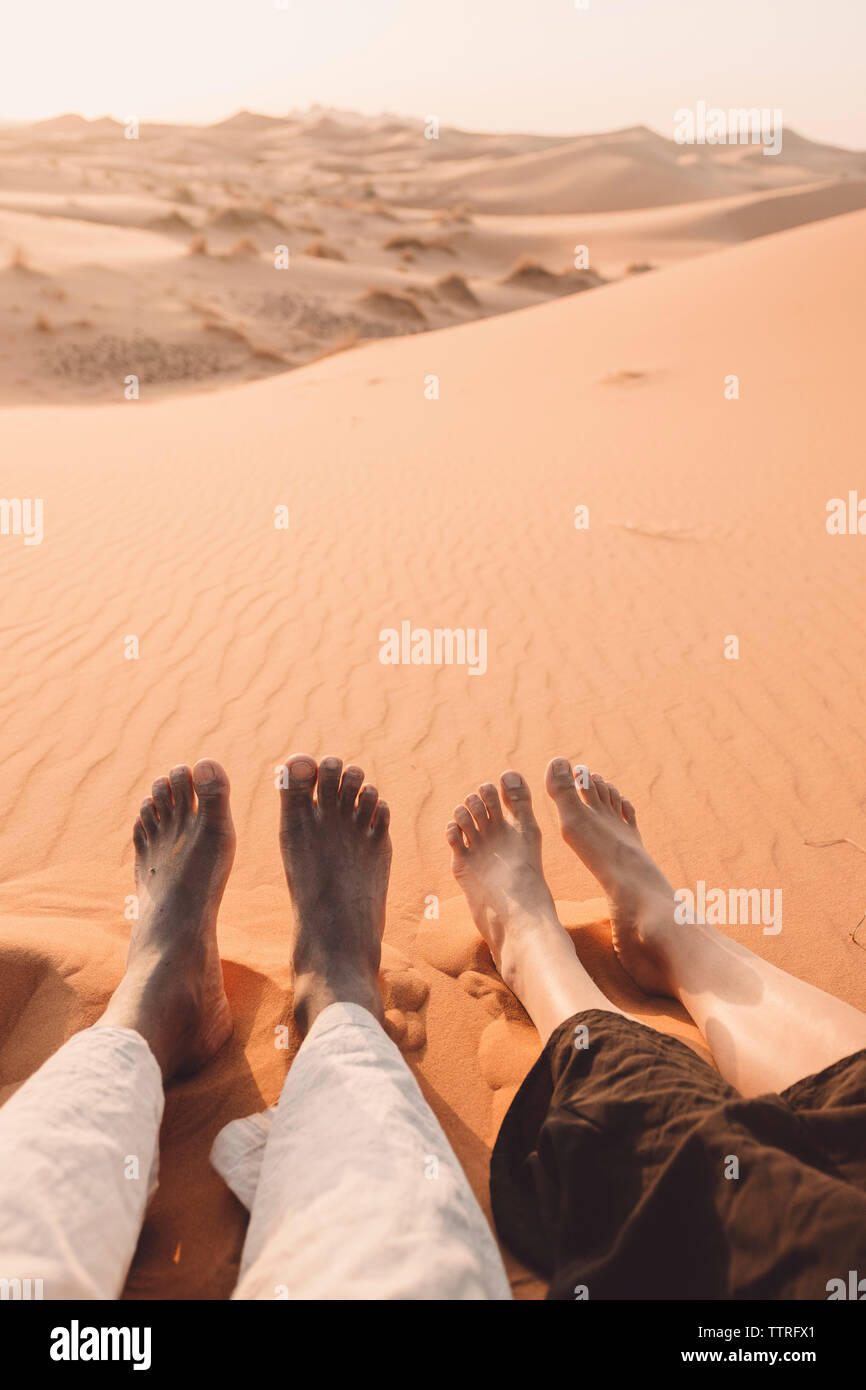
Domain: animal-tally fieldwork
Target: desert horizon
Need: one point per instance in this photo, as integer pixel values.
(193, 258)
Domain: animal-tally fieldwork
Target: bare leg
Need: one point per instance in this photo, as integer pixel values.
(765, 1028)
(172, 992)
(496, 859)
(344, 1208)
(337, 858)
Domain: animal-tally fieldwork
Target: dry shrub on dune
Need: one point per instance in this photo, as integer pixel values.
(242, 215)
(407, 242)
(43, 324)
(323, 251)
(387, 304)
(638, 268)
(529, 274)
(197, 246)
(454, 287)
(245, 249)
(311, 228)
(172, 222)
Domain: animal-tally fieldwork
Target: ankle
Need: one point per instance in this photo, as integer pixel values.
(539, 941)
(163, 1009)
(314, 992)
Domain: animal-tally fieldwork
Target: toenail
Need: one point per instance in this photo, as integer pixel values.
(330, 762)
(302, 768)
(512, 780)
(562, 768)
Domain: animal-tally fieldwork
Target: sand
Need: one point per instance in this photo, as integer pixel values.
(160, 256)
(707, 519)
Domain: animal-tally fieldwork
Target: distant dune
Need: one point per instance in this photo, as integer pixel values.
(222, 254)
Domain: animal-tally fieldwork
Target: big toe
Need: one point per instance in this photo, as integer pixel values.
(212, 790)
(560, 784)
(296, 791)
(518, 799)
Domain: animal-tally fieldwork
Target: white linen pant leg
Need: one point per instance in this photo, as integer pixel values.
(71, 1207)
(360, 1194)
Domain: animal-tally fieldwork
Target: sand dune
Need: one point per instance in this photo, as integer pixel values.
(635, 168)
(707, 518)
(160, 257)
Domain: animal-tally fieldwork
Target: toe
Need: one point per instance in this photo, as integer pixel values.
(587, 788)
(518, 799)
(211, 788)
(149, 820)
(353, 780)
(161, 793)
(181, 789)
(366, 806)
(478, 811)
(561, 786)
(615, 798)
(467, 825)
(296, 796)
(454, 836)
(381, 820)
(601, 789)
(628, 812)
(139, 837)
(490, 796)
(329, 783)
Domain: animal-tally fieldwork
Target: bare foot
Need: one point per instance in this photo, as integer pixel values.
(601, 827)
(172, 992)
(496, 859)
(337, 857)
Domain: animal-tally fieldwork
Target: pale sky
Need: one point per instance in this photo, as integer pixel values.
(540, 65)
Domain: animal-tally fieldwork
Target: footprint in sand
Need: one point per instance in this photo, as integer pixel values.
(404, 994)
(622, 378)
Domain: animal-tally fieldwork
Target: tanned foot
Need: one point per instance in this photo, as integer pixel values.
(172, 992)
(601, 827)
(496, 859)
(337, 857)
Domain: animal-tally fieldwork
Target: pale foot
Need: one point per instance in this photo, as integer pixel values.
(337, 857)
(496, 859)
(172, 992)
(601, 827)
